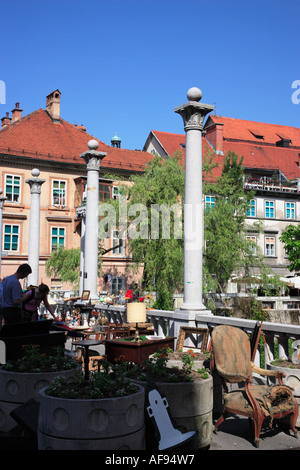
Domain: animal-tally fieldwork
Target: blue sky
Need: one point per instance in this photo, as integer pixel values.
(123, 66)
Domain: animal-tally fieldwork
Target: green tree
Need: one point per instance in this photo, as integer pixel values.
(226, 246)
(291, 239)
(156, 245)
(64, 264)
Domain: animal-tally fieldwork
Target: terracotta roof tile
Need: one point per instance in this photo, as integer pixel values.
(170, 142)
(38, 136)
(265, 157)
(243, 130)
(173, 143)
(257, 153)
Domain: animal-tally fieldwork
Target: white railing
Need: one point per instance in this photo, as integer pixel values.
(270, 187)
(168, 323)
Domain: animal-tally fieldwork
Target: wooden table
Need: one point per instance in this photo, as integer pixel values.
(125, 349)
(86, 343)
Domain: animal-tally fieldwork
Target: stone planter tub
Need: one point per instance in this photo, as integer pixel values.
(92, 424)
(190, 408)
(199, 364)
(16, 388)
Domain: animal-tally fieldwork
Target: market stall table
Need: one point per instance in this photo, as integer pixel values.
(16, 335)
(71, 330)
(126, 349)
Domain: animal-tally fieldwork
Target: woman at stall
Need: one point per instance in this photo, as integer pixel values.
(33, 299)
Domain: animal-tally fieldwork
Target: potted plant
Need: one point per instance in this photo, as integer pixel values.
(189, 392)
(21, 379)
(105, 412)
(187, 359)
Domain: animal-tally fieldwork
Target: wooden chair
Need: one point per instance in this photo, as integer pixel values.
(231, 360)
(94, 356)
(118, 332)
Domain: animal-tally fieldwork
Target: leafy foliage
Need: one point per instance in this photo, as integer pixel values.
(291, 239)
(225, 232)
(34, 361)
(156, 368)
(64, 264)
(111, 382)
(159, 252)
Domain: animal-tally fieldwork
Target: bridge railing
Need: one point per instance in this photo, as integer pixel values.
(277, 336)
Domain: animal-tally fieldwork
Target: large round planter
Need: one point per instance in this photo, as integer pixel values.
(92, 424)
(217, 384)
(16, 388)
(190, 408)
(292, 379)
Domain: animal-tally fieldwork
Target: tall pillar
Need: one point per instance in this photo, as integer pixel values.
(35, 184)
(193, 114)
(81, 212)
(2, 199)
(90, 275)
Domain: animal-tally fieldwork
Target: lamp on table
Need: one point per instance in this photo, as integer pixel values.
(136, 313)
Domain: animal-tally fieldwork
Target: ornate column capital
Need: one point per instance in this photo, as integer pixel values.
(81, 212)
(35, 183)
(193, 113)
(91, 157)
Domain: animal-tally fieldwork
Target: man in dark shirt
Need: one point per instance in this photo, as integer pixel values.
(13, 296)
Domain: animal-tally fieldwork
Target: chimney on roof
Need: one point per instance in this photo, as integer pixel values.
(16, 113)
(53, 105)
(214, 134)
(5, 121)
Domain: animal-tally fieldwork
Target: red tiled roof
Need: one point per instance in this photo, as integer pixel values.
(243, 130)
(38, 136)
(264, 157)
(170, 142)
(173, 143)
(257, 153)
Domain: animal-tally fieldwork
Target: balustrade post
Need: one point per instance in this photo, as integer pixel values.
(161, 328)
(269, 348)
(283, 347)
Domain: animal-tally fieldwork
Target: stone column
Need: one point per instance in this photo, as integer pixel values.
(81, 212)
(90, 275)
(2, 199)
(35, 184)
(193, 114)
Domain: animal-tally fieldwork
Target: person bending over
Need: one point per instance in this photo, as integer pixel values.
(33, 299)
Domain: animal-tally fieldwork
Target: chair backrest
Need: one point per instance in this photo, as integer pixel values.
(118, 332)
(231, 353)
